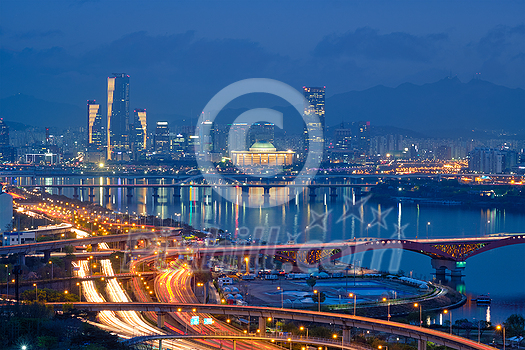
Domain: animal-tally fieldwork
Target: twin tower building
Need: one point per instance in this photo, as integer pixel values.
(125, 136)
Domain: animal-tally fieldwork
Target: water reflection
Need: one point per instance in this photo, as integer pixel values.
(491, 272)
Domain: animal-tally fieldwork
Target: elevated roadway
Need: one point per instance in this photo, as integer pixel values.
(93, 240)
(421, 334)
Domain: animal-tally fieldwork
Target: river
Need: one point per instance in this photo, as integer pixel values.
(498, 273)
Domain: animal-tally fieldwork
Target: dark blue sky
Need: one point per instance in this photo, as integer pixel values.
(179, 54)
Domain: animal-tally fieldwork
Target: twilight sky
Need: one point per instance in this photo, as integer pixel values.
(180, 53)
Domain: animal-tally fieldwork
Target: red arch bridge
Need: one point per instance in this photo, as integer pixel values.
(446, 253)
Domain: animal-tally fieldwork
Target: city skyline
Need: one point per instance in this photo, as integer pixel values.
(367, 49)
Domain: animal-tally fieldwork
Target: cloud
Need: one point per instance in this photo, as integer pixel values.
(502, 40)
(367, 43)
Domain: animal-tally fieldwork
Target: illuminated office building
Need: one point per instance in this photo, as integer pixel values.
(95, 129)
(162, 138)
(118, 116)
(315, 98)
(139, 130)
(363, 142)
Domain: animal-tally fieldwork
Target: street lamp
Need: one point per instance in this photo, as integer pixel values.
(419, 305)
(498, 327)
(282, 296)
(200, 284)
(302, 329)
(335, 337)
(51, 263)
(428, 224)
(388, 305)
(355, 299)
(36, 291)
(318, 300)
(7, 280)
(247, 261)
(380, 347)
(79, 291)
(355, 261)
(450, 321)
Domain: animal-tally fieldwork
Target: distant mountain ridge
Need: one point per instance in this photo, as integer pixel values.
(30, 110)
(445, 104)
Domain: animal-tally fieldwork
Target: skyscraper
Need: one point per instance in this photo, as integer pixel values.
(95, 129)
(4, 133)
(7, 153)
(139, 130)
(315, 97)
(162, 138)
(363, 143)
(118, 115)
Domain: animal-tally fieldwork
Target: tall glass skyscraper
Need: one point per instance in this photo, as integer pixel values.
(139, 130)
(95, 129)
(315, 97)
(118, 116)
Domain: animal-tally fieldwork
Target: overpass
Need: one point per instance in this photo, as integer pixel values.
(446, 253)
(346, 322)
(48, 246)
(323, 342)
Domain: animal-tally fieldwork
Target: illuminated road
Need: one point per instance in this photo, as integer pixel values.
(421, 334)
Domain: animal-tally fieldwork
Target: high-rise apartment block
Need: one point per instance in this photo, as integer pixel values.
(162, 138)
(118, 116)
(315, 98)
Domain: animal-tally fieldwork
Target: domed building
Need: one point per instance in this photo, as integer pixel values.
(262, 153)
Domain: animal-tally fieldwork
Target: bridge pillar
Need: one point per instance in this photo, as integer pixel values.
(440, 265)
(262, 326)
(94, 247)
(312, 193)
(347, 335)
(47, 255)
(75, 193)
(21, 259)
(333, 193)
(234, 344)
(155, 194)
(457, 272)
(160, 319)
(421, 344)
(160, 344)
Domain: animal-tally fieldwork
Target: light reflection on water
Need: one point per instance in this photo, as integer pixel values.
(498, 272)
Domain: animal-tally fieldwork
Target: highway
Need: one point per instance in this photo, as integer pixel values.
(173, 286)
(422, 334)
